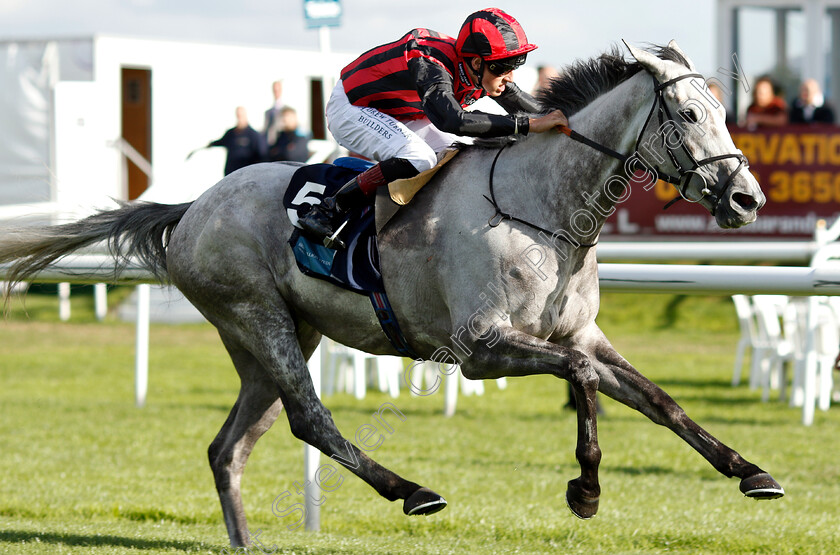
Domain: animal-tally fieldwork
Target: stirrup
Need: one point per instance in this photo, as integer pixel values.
(334, 241)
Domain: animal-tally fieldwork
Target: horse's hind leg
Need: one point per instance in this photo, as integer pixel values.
(266, 330)
(624, 383)
(256, 409)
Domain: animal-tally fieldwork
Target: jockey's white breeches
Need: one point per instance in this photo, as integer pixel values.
(372, 134)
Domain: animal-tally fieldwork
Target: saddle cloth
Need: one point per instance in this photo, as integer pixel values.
(355, 268)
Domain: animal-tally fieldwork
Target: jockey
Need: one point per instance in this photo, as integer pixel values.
(403, 102)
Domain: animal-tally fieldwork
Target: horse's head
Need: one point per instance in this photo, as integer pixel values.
(686, 137)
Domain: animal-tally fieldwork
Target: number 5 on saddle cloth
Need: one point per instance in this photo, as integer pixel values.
(355, 268)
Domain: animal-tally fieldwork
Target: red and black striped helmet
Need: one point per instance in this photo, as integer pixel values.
(492, 34)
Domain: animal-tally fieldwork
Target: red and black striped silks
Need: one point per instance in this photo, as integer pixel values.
(392, 77)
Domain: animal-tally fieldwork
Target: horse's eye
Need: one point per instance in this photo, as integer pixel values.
(688, 115)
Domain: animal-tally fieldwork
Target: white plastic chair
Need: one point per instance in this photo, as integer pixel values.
(774, 350)
(428, 377)
(749, 334)
(820, 352)
(345, 369)
(821, 332)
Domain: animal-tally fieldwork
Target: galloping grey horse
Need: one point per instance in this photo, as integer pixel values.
(517, 224)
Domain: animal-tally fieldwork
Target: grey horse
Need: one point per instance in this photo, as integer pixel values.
(492, 266)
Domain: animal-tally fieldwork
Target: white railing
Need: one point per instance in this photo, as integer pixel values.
(744, 251)
(630, 278)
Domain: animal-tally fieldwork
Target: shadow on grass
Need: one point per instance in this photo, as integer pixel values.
(693, 383)
(18, 536)
(764, 421)
(643, 470)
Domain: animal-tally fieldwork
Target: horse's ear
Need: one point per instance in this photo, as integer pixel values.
(673, 46)
(652, 63)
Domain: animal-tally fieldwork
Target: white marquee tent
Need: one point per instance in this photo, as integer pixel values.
(63, 111)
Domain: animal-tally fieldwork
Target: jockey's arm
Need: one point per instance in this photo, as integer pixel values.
(437, 97)
(447, 115)
(443, 110)
(515, 100)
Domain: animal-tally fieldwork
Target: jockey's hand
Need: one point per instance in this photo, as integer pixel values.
(552, 120)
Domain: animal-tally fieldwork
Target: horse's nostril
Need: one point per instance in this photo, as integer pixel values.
(745, 201)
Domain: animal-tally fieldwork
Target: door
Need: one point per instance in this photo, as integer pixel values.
(137, 124)
(318, 125)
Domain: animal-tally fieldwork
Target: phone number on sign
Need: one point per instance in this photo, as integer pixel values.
(803, 187)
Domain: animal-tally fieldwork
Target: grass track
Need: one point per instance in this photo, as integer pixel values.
(83, 471)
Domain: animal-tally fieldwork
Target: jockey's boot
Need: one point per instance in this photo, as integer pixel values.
(324, 221)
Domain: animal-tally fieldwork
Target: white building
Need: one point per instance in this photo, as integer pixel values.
(69, 106)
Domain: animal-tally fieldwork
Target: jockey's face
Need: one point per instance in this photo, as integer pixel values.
(493, 84)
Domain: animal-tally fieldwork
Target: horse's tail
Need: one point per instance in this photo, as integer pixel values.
(138, 230)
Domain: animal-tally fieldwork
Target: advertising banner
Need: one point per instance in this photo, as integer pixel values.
(798, 168)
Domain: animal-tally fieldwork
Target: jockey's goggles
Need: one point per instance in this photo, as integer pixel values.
(506, 65)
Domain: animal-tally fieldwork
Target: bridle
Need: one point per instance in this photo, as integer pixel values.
(684, 173)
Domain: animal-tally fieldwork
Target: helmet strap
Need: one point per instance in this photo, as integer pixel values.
(478, 74)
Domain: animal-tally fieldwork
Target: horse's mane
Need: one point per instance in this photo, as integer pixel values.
(585, 80)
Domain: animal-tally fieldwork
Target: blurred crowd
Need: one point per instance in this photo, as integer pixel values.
(280, 140)
(769, 108)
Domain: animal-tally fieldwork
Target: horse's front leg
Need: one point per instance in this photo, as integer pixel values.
(621, 381)
(508, 352)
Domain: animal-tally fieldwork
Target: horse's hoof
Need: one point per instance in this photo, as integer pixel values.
(582, 504)
(761, 486)
(423, 502)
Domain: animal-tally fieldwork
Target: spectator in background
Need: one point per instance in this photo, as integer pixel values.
(717, 92)
(544, 76)
(272, 116)
(244, 145)
(290, 144)
(810, 105)
(767, 109)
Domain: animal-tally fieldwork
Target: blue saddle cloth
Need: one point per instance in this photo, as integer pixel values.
(355, 268)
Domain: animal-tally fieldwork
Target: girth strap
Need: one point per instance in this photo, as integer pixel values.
(388, 322)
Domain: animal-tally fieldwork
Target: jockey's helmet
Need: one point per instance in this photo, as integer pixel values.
(495, 37)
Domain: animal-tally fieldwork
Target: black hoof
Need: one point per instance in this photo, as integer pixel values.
(423, 502)
(761, 486)
(582, 504)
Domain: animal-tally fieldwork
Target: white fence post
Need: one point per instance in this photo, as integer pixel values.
(312, 457)
(64, 301)
(100, 300)
(141, 359)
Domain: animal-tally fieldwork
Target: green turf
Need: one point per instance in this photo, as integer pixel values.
(84, 471)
